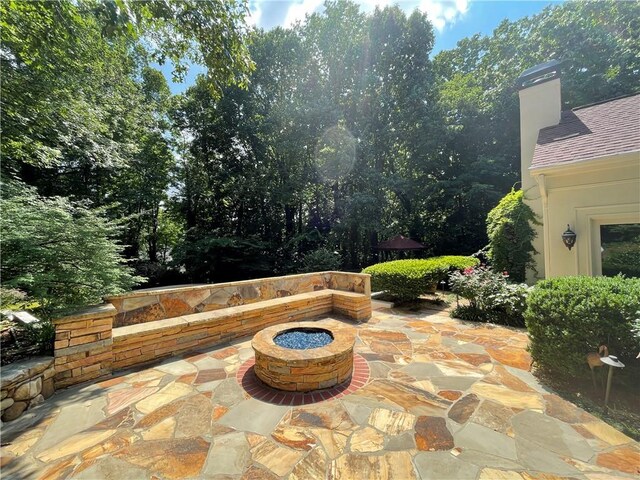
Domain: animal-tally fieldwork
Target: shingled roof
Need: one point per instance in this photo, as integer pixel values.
(593, 131)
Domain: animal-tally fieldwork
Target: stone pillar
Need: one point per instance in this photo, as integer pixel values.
(83, 342)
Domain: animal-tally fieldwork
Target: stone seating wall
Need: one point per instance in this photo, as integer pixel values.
(144, 325)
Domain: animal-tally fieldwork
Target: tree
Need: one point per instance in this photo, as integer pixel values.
(61, 253)
(206, 32)
(597, 42)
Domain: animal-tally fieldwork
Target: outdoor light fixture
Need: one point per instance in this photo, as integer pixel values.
(569, 237)
(612, 362)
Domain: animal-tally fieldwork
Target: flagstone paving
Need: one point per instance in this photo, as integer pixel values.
(443, 399)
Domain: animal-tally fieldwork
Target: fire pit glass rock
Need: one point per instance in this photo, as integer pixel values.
(303, 338)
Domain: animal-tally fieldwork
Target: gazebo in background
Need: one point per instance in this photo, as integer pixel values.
(398, 244)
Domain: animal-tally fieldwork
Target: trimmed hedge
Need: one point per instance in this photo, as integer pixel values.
(510, 231)
(408, 279)
(569, 317)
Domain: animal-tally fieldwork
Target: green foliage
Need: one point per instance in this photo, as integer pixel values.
(14, 299)
(321, 144)
(84, 114)
(205, 32)
(458, 262)
(623, 257)
(169, 233)
(621, 244)
(408, 279)
(211, 259)
(61, 253)
(510, 232)
(40, 335)
(492, 298)
(570, 317)
(320, 260)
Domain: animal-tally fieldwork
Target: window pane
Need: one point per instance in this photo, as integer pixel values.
(620, 249)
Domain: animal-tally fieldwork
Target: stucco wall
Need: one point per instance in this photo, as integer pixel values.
(586, 195)
(539, 108)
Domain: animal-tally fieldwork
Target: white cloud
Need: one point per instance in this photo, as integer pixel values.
(299, 9)
(255, 14)
(370, 5)
(444, 12)
(267, 13)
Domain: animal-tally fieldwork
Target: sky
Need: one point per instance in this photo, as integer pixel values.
(453, 20)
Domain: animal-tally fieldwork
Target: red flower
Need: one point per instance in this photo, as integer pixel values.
(468, 271)
(505, 274)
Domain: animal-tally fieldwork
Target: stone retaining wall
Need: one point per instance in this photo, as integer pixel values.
(26, 384)
(137, 344)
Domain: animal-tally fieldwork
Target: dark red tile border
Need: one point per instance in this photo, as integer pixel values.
(246, 377)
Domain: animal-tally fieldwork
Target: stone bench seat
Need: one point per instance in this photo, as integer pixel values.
(143, 342)
(140, 326)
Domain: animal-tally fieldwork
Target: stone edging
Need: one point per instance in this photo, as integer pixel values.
(247, 379)
(26, 384)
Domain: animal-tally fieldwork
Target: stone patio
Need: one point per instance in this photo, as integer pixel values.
(444, 400)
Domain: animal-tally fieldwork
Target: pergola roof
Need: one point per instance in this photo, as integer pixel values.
(400, 243)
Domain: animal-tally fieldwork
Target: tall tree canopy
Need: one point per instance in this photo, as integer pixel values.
(85, 121)
(297, 143)
(349, 132)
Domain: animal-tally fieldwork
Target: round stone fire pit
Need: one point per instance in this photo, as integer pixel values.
(297, 368)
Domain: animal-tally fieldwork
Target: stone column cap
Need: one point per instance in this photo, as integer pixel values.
(93, 312)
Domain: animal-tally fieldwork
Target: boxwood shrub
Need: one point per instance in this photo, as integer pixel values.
(569, 317)
(408, 279)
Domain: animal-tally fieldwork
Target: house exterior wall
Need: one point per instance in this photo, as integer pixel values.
(585, 195)
(540, 107)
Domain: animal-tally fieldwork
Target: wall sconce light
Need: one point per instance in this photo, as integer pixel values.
(569, 238)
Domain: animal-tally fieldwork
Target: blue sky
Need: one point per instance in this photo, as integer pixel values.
(452, 19)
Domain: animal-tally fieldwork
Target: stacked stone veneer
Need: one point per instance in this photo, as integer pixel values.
(144, 325)
(26, 384)
(304, 370)
(83, 345)
(143, 306)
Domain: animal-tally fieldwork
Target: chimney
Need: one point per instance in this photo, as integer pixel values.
(540, 105)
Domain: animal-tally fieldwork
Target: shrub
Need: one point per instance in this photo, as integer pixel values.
(321, 260)
(458, 262)
(569, 317)
(59, 252)
(41, 335)
(510, 232)
(408, 279)
(622, 257)
(492, 298)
